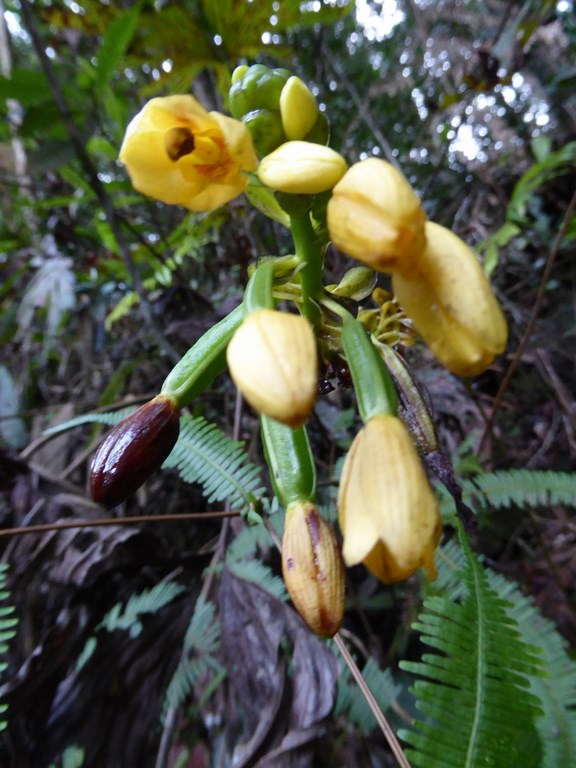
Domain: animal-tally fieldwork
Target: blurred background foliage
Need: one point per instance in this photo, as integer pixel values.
(101, 290)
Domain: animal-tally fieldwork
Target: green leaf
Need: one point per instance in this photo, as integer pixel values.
(474, 696)
(28, 86)
(115, 43)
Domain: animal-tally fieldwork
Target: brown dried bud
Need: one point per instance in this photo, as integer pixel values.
(313, 569)
(133, 450)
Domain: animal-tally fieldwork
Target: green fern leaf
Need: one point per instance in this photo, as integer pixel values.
(110, 418)
(148, 601)
(556, 689)
(351, 702)
(205, 455)
(201, 642)
(7, 631)
(521, 488)
(474, 695)
(256, 571)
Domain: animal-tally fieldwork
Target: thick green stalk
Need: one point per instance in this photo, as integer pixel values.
(309, 252)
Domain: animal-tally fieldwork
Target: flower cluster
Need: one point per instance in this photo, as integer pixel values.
(274, 148)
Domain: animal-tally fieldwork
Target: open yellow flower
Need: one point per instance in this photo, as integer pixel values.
(451, 303)
(177, 152)
(387, 510)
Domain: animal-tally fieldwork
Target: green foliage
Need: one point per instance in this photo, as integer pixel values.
(114, 44)
(128, 618)
(548, 166)
(520, 488)
(474, 694)
(7, 631)
(555, 687)
(351, 703)
(205, 455)
(198, 658)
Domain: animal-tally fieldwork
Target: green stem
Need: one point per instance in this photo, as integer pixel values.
(309, 252)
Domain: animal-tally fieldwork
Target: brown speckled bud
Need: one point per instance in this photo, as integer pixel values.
(313, 569)
(133, 450)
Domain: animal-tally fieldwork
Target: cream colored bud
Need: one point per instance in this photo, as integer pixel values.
(313, 569)
(375, 216)
(451, 303)
(273, 361)
(298, 109)
(302, 168)
(387, 510)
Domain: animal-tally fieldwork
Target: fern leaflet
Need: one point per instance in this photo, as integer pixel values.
(205, 455)
(479, 711)
(148, 601)
(351, 701)
(556, 689)
(201, 642)
(7, 631)
(521, 488)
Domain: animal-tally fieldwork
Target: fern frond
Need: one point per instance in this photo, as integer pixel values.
(351, 702)
(201, 642)
(256, 571)
(205, 455)
(474, 694)
(7, 631)
(254, 538)
(148, 601)
(556, 689)
(110, 418)
(521, 488)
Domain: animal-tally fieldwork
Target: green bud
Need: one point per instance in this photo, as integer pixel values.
(320, 131)
(259, 88)
(265, 127)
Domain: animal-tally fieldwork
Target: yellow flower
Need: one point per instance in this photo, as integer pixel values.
(387, 510)
(375, 216)
(273, 361)
(302, 168)
(451, 303)
(312, 568)
(177, 152)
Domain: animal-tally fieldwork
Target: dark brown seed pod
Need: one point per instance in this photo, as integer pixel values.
(134, 450)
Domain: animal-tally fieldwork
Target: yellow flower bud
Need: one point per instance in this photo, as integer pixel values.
(451, 303)
(302, 168)
(298, 109)
(375, 216)
(177, 152)
(273, 361)
(387, 510)
(312, 568)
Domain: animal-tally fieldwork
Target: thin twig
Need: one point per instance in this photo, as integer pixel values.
(108, 521)
(541, 293)
(385, 726)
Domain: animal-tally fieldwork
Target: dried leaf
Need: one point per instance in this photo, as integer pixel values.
(279, 712)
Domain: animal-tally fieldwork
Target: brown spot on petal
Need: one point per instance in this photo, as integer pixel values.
(179, 142)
